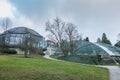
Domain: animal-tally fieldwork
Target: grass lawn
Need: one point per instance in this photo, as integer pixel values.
(37, 68)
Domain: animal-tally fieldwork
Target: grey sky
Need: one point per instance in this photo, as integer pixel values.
(93, 17)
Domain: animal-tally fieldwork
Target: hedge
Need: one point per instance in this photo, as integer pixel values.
(9, 51)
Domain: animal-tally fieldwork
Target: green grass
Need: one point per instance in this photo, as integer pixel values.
(38, 68)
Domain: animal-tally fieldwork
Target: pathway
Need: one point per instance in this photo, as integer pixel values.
(48, 57)
(114, 72)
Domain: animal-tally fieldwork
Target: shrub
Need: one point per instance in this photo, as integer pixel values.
(9, 51)
(42, 53)
(87, 59)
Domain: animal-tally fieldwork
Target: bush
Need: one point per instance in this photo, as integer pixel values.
(9, 51)
(87, 59)
(42, 54)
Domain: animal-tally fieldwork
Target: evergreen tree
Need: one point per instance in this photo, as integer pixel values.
(98, 40)
(86, 39)
(118, 41)
(117, 44)
(105, 39)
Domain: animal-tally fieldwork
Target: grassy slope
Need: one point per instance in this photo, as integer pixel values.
(38, 68)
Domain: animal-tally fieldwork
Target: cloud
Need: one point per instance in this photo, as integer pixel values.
(10, 11)
(6, 10)
(34, 14)
(93, 17)
(23, 21)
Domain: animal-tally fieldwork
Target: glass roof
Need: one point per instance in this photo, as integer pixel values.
(113, 49)
(85, 47)
(21, 30)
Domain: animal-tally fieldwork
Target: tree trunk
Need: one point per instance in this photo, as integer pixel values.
(25, 54)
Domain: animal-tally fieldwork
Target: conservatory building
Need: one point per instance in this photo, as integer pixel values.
(85, 47)
(105, 50)
(22, 38)
(88, 48)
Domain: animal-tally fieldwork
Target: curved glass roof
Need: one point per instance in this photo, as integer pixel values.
(20, 36)
(85, 47)
(21, 30)
(112, 50)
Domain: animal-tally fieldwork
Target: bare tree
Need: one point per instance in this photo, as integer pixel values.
(56, 29)
(6, 23)
(25, 43)
(63, 34)
(72, 34)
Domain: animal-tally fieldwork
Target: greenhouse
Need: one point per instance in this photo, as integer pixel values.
(106, 51)
(22, 38)
(84, 47)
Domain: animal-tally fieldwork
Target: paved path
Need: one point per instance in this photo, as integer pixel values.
(48, 57)
(114, 70)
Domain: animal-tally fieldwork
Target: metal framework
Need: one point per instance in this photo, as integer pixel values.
(23, 38)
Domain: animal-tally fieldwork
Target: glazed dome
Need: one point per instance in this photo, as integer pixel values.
(22, 30)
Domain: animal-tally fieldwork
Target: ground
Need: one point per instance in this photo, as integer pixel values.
(38, 68)
(114, 70)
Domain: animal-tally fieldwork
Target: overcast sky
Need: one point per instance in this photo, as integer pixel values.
(92, 17)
